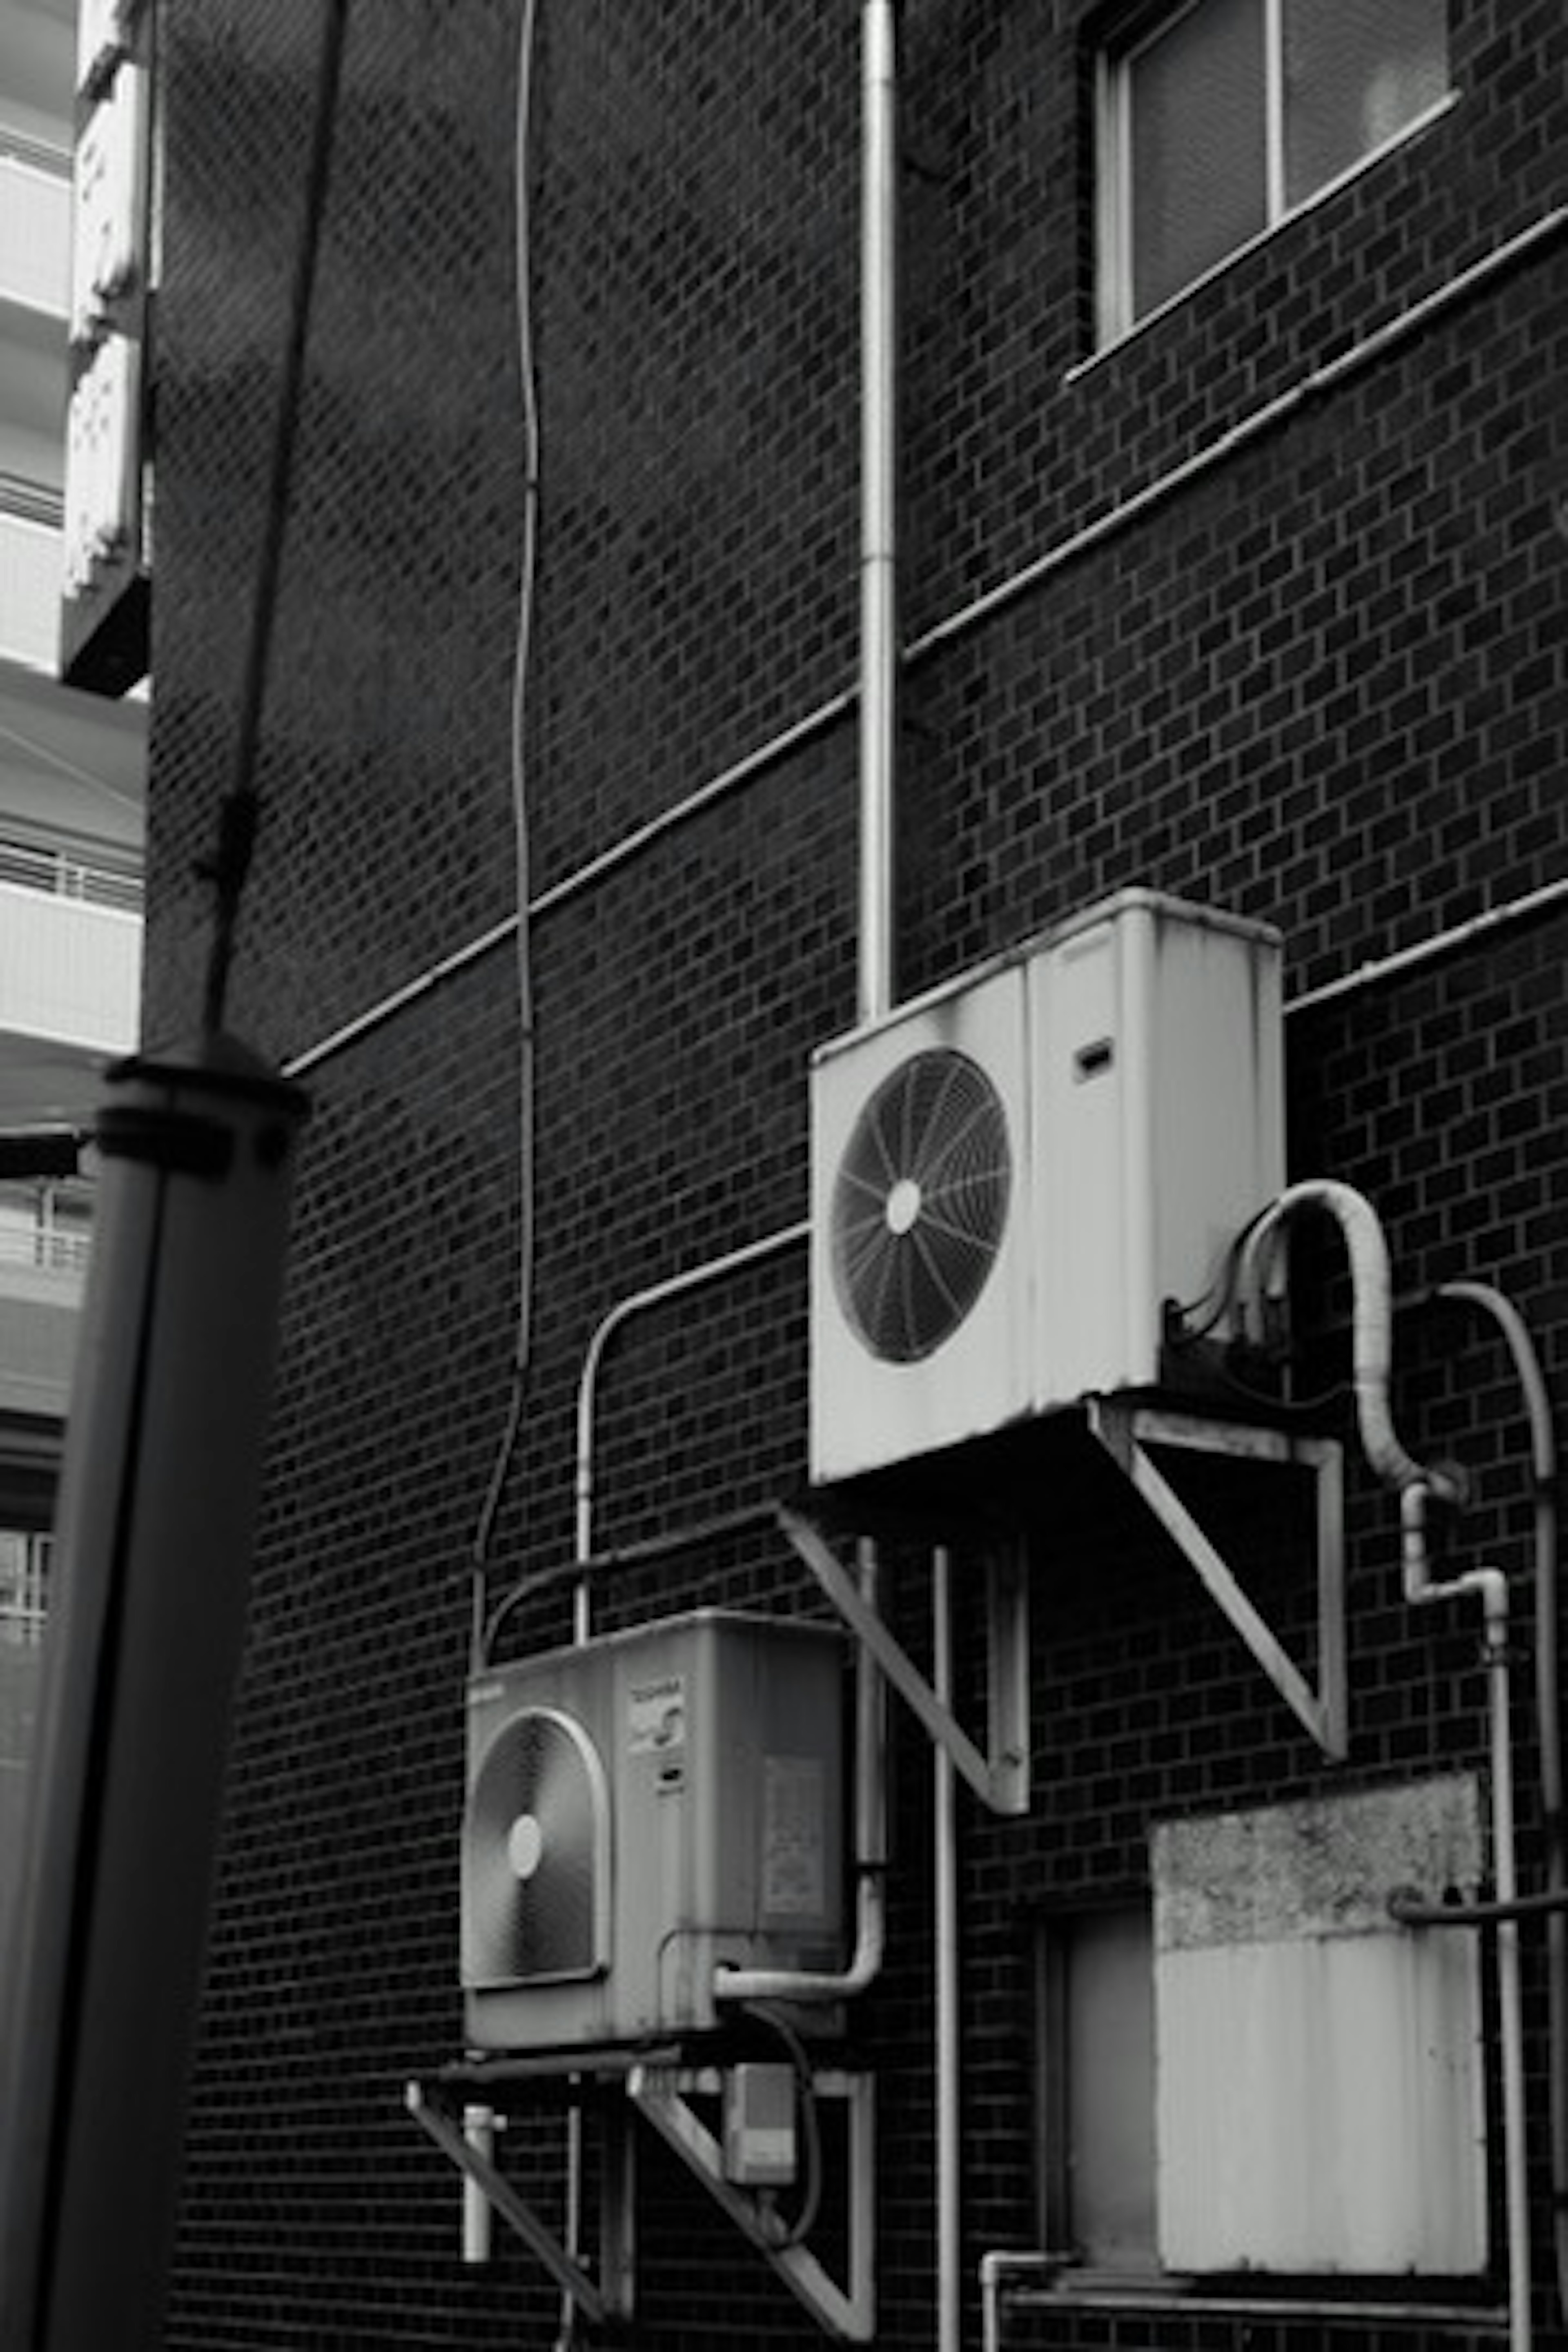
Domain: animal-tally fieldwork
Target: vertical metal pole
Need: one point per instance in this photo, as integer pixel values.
(878, 502)
(162, 1467)
(948, 2331)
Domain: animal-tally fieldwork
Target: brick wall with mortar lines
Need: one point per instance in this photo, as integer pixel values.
(1325, 686)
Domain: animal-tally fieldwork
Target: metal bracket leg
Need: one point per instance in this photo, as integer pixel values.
(568, 2274)
(848, 2314)
(1001, 1779)
(1125, 1431)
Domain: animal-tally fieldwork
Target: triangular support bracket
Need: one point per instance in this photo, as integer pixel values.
(846, 2310)
(602, 2301)
(1127, 1431)
(1000, 1778)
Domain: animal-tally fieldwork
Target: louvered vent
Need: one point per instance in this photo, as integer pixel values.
(535, 1856)
(920, 1204)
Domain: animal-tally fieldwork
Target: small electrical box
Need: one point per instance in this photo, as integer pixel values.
(759, 2125)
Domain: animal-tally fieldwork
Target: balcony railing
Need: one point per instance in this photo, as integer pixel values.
(46, 1226)
(35, 224)
(70, 971)
(59, 873)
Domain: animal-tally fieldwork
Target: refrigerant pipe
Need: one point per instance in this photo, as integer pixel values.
(1372, 1326)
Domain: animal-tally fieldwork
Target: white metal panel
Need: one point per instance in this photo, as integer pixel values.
(1159, 1124)
(1319, 2105)
(30, 564)
(68, 971)
(1318, 2074)
(34, 236)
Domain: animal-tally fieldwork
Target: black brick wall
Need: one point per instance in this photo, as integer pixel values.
(1320, 682)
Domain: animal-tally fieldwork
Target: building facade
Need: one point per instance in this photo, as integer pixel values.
(73, 781)
(1228, 535)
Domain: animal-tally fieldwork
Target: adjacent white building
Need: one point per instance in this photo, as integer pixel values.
(72, 792)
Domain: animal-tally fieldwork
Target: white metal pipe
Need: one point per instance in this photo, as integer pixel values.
(1372, 1318)
(1543, 1466)
(949, 2313)
(1489, 1586)
(1510, 2004)
(995, 2265)
(656, 1294)
(479, 2134)
(879, 652)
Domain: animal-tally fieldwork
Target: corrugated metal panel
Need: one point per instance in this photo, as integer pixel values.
(1319, 2075)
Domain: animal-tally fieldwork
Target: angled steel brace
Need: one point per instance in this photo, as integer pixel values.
(847, 2313)
(1000, 1780)
(567, 2272)
(1126, 1430)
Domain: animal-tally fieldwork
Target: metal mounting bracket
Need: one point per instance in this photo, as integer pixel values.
(845, 2312)
(1127, 1431)
(1000, 1779)
(605, 2298)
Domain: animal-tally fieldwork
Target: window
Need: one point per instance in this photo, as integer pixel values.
(1256, 2083)
(1095, 2045)
(24, 1587)
(1222, 117)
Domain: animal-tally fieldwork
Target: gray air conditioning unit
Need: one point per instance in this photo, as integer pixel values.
(642, 1808)
(1011, 1175)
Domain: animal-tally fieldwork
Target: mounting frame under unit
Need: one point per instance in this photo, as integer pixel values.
(1126, 1429)
(659, 2084)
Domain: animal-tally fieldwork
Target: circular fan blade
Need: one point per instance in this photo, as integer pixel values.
(535, 1855)
(920, 1204)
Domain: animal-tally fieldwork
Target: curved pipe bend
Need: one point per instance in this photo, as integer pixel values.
(1372, 1340)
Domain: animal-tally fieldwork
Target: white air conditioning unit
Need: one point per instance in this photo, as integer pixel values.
(640, 1808)
(1012, 1174)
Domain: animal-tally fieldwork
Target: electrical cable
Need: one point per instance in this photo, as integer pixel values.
(796, 2230)
(228, 867)
(527, 383)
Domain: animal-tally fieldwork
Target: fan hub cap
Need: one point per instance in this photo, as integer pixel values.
(904, 1203)
(525, 1846)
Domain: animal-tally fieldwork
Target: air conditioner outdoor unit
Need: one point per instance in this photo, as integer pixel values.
(1012, 1174)
(641, 1808)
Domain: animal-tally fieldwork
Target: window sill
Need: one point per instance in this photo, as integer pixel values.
(1085, 2290)
(1118, 340)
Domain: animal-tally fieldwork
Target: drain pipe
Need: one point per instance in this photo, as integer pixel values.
(879, 499)
(949, 2306)
(1544, 1469)
(1489, 1586)
(878, 748)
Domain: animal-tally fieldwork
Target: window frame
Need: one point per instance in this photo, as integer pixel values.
(1059, 1948)
(1115, 55)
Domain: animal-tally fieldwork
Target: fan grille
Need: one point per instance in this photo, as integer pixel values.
(534, 1855)
(920, 1204)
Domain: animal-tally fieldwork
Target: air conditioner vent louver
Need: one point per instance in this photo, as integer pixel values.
(535, 1868)
(920, 1205)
